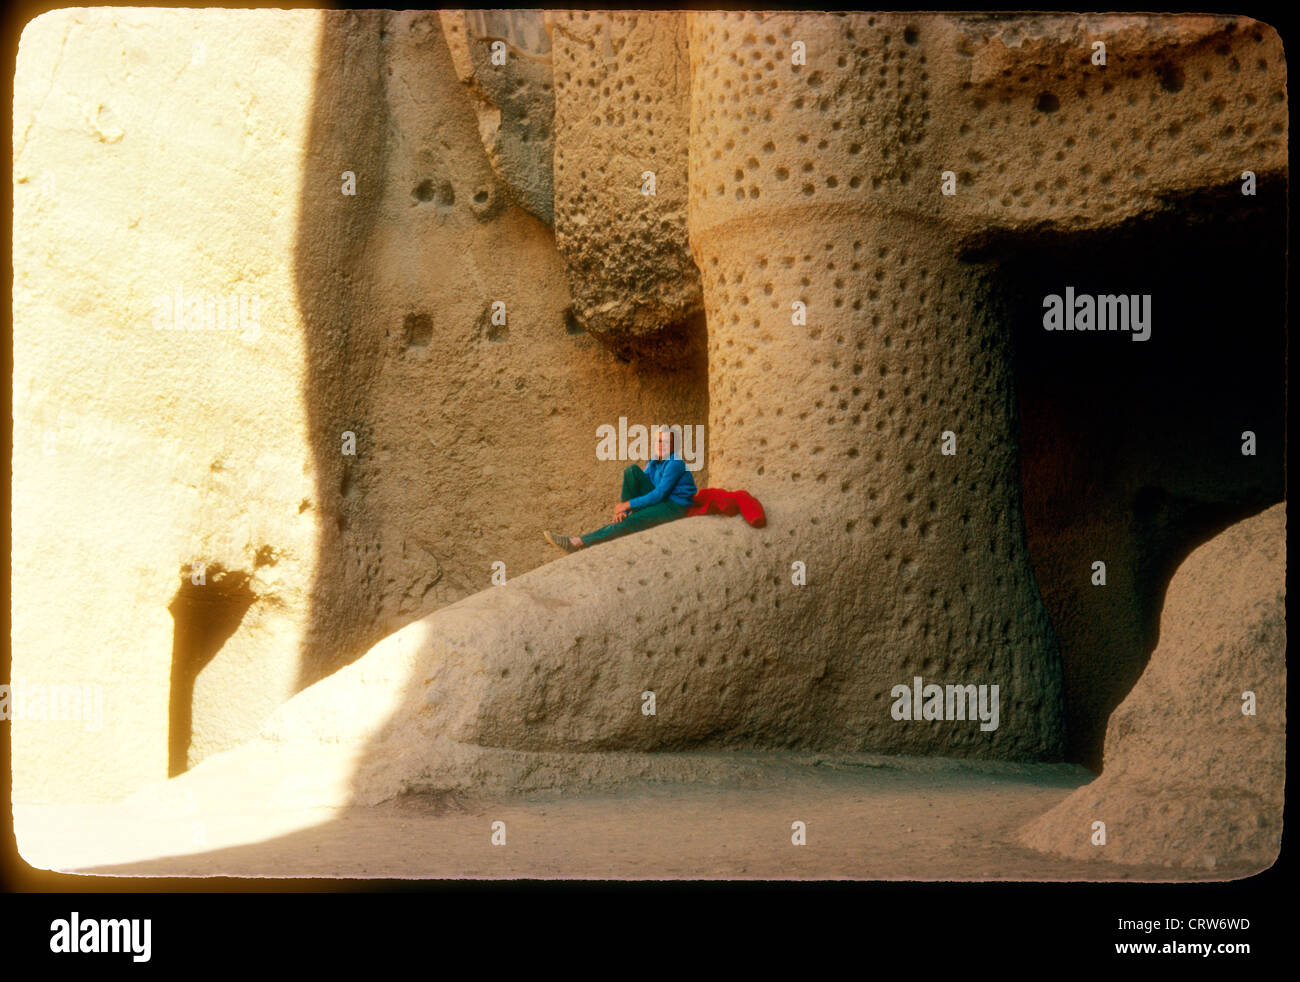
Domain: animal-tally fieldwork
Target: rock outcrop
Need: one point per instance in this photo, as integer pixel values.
(1196, 755)
(622, 124)
(504, 59)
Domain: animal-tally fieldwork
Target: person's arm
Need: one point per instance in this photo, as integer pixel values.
(665, 480)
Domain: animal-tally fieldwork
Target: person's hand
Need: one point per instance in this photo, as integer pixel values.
(621, 511)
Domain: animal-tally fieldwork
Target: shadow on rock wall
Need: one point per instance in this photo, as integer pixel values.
(471, 436)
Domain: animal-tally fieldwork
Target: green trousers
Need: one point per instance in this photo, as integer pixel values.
(635, 484)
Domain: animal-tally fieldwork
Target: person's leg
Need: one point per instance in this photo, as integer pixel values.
(635, 483)
(644, 518)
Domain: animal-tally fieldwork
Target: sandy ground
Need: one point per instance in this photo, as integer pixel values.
(945, 821)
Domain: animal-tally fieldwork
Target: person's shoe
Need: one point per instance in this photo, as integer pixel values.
(561, 542)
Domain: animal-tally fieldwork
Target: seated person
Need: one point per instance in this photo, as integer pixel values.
(660, 493)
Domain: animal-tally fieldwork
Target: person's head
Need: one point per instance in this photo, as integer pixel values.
(665, 444)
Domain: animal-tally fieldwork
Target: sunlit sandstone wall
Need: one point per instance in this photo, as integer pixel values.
(145, 168)
(145, 164)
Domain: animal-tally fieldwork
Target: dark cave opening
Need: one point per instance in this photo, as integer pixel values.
(1131, 451)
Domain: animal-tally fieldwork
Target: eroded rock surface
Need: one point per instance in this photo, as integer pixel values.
(622, 120)
(1189, 780)
(513, 96)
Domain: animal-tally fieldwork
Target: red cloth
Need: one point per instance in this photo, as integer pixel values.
(715, 501)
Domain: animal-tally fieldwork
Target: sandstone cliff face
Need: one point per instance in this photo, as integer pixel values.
(798, 280)
(1190, 780)
(441, 333)
(143, 449)
(159, 420)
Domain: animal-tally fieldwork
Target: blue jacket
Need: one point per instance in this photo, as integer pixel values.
(671, 480)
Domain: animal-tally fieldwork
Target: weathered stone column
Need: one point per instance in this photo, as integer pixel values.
(622, 97)
(845, 340)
